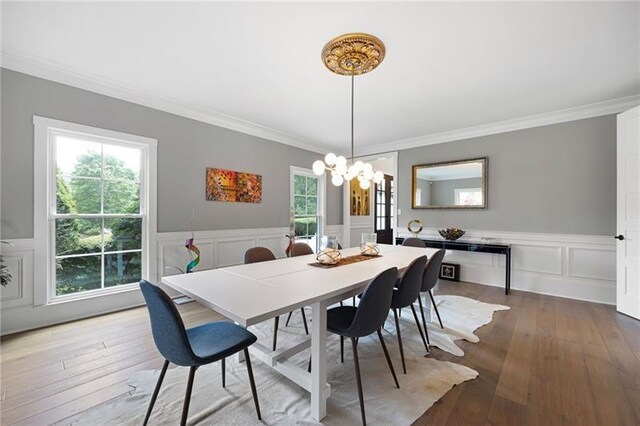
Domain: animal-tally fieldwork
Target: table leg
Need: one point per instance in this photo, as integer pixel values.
(507, 284)
(318, 360)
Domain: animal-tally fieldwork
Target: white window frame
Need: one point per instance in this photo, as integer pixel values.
(457, 191)
(45, 201)
(322, 195)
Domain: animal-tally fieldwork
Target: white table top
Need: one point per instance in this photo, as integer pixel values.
(249, 294)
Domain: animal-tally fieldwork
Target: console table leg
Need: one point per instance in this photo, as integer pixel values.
(507, 284)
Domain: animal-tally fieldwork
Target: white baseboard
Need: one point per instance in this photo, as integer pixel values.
(580, 267)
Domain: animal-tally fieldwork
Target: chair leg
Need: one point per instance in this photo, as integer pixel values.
(415, 316)
(395, 315)
(358, 380)
(386, 354)
(252, 382)
(342, 349)
(353, 300)
(187, 396)
(304, 321)
(276, 321)
(224, 371)
(309, 365)
(436, 308)
(424, 321)
(286, 324)
(156, 391)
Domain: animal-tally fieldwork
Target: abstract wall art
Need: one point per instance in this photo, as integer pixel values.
(233, 187)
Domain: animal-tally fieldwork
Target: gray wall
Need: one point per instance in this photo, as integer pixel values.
(553, 179)
(443, 191)
(185, 148)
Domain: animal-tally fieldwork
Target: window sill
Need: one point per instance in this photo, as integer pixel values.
(81, 297)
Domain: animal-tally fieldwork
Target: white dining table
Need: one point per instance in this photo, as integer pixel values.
(253, 293)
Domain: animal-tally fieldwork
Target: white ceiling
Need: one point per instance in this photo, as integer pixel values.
(257, 66)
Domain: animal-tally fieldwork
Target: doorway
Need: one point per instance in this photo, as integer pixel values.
(365, 220)
(383, 210)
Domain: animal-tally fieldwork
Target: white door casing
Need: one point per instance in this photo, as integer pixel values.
(628, 213)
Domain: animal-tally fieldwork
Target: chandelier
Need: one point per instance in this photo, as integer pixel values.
(351, 55)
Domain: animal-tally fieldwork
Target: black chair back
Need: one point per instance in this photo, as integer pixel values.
(258, 254)
(432, 270)
(410, 284)
(166, 326)
(300, 249)
(414, 242)
(374, 305)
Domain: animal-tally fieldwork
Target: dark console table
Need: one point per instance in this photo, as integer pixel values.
(473, 246)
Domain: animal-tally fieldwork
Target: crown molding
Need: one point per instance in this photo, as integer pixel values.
(59, 73)
(554, 117)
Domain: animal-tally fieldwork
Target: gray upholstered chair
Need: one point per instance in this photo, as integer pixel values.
(300, 249)
(192, 347)
(405, 295)
(263, 254)
(429, 281)
(363, 320)
(414, 242)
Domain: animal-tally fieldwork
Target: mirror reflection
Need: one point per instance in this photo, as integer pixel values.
(452, 185)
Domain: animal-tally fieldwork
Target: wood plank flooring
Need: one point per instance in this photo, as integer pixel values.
(546, 361)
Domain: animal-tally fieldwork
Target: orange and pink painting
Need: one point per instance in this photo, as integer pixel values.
(233, 187)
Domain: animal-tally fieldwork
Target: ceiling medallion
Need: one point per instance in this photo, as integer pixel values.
(353, 54)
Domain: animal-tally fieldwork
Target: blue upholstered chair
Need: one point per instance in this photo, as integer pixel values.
(192, 347)
(263, 254)
(363, 320)
(429, 281)
(405, 295)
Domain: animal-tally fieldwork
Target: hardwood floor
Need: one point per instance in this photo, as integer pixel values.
(546, 361)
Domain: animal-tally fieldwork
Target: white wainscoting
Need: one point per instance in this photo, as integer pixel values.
(224, 247)
(217, 249)
(575, 266)
(17, 308)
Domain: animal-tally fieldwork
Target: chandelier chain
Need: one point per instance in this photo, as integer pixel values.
(352, 109)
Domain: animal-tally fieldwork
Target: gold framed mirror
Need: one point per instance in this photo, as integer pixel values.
(450, 185)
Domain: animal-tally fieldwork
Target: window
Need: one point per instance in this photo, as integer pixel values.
(468, 197)
(100, 209)
(308, 206)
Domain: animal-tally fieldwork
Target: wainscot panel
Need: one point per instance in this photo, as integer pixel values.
(575, 266)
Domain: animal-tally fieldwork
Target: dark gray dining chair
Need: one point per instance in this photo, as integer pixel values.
(363, 320)
(414, 242)
(263, 254)
(300, 249)
(429, 281)
(405, 295)
(192, 347)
